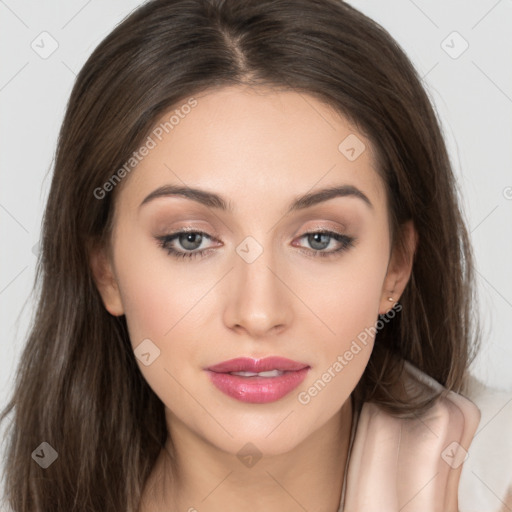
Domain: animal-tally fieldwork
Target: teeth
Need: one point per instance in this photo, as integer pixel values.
(270, 373)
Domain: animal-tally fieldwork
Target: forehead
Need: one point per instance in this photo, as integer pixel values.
(241, 139)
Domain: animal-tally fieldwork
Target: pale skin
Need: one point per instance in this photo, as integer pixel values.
(259, 149)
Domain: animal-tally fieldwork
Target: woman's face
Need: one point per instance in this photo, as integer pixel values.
(263, 287)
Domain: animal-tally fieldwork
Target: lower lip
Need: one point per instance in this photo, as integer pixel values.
(258, 390)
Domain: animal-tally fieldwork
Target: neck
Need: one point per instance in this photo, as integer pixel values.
(309, 477)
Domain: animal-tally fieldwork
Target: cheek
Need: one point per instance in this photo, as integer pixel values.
(348, 303)
(160, 294)
(148, 306)
(158, 300)
(349, 306)
(161, 304)
(350, 295)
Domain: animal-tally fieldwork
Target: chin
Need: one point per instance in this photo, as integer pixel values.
(257, 435)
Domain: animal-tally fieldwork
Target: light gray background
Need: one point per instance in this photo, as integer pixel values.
(472, 94)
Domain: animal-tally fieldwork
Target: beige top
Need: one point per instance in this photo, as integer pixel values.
(409, 465)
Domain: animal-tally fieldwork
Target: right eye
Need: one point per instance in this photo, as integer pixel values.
(189, 241)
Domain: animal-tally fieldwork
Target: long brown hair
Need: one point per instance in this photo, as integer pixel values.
(78, 386)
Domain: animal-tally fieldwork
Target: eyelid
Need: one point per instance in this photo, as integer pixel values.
(346, 242)
(340, 229)
(212, 235)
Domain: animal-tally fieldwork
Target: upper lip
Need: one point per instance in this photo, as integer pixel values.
(247, 364)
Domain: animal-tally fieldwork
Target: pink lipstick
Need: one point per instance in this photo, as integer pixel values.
(257, 381)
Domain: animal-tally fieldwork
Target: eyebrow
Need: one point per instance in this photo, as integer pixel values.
(216, 201)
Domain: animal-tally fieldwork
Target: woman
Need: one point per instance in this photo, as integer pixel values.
(257, 285)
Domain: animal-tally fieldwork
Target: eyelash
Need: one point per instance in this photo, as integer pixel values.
(165, 240)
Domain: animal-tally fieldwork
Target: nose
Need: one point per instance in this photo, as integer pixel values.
(259, 298)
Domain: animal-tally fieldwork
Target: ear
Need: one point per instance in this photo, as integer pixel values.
(399, 268)
(104, 277)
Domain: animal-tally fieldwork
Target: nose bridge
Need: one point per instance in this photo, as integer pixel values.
(258, 301)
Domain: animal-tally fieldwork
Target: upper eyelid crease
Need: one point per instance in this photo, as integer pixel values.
(212, 200)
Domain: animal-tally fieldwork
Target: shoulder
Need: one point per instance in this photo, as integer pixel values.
(453, 417)
(411, 464)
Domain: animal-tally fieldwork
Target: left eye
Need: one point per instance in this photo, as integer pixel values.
(320, 240)
(190, 241)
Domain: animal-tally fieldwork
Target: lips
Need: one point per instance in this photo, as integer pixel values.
(257, 380)
(246, 364)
